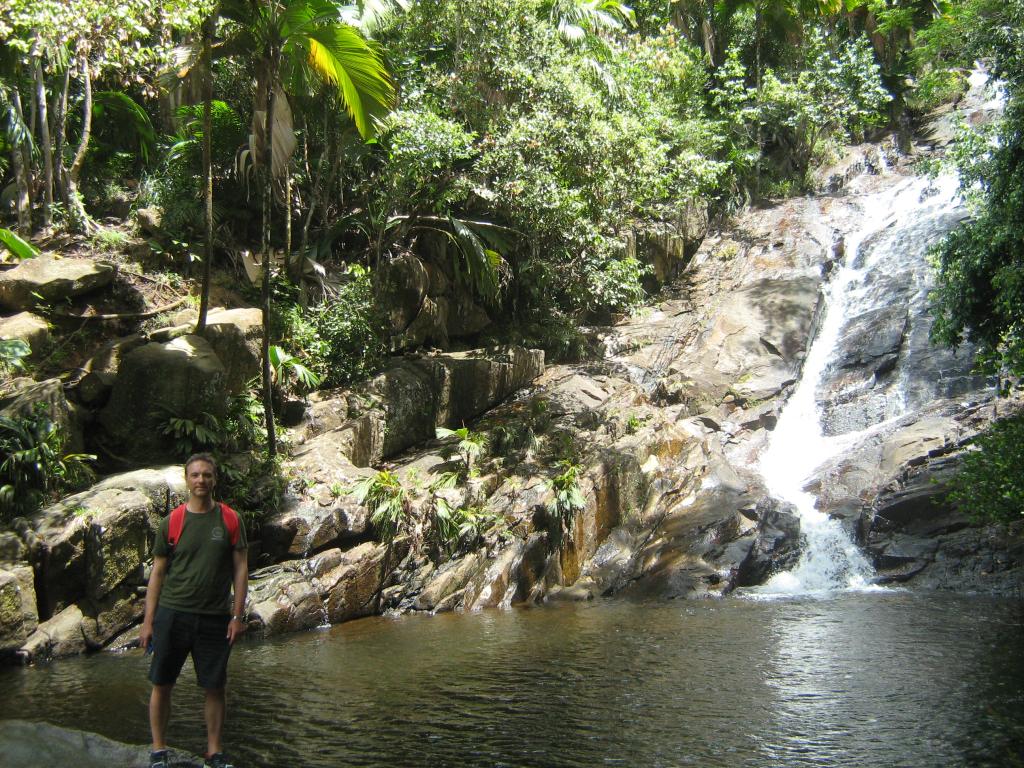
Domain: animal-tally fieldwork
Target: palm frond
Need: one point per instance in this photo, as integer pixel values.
(353, 65)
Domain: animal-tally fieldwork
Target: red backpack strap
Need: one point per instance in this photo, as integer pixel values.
(177, 522)
(230, 518)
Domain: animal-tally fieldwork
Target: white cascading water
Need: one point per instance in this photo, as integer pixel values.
(830, 560)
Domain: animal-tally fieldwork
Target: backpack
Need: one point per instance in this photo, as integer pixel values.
(177, 522)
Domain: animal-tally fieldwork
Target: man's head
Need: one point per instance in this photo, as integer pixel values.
(201, 475)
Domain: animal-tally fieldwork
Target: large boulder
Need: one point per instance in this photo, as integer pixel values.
(351, 581)
(49, 279)
(235, 336)
(321, 517)
(760, 335)
(406, 403)
(88, 544)
(182, 378)
(32, 329)
(88, 625)
(404, 282)
(282, 599)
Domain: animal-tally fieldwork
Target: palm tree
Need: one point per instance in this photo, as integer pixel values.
(295, 43)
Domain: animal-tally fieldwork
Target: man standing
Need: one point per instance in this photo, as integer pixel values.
(194, 604)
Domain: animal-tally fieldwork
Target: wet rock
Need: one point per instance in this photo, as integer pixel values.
(27, 744)
(18, 617)
(48, 279)
(352, 584)
(452, 577)
(776, 546)
(283, 599)
(306, 525)
(916, 536)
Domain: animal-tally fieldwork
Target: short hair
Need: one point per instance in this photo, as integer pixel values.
(207, 457)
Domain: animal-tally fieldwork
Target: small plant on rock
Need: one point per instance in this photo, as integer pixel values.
(470, 446)
(12, 354)
(385, 497)
(568, 498)
(192, 434)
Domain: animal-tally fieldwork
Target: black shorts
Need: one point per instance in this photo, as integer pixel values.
(178, 633)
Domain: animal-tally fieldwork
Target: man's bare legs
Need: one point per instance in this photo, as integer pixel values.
(216, 704)
(160, 714)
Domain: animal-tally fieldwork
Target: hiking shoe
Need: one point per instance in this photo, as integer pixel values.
(159, 759)
(217, 760)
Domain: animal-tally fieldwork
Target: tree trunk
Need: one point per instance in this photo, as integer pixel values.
(294, 269)
(757, 79)
(204, 301)
(79, 218)
(21, 163)
(318, 186)
(60, 129)
(268, 201)
(44, 142)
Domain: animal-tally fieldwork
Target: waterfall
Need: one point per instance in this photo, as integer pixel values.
(896, 226)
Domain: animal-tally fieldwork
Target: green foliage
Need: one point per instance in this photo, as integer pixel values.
(342, 339)
(452, 529)
(191, 435)
(990, 483)
(176, 186)
(383, 495)
(34, 466)
(12, 354)
(837, 92)
(17, 247)
(108, 239)
(121, 124)
(980, 265)
(285, 368)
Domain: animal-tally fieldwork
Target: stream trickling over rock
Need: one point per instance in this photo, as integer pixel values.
(833, 408)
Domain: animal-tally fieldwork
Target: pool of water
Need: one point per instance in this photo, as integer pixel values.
(885, 679)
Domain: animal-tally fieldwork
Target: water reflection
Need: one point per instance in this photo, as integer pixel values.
(855, 681)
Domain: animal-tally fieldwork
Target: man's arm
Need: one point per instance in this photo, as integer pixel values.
(156, 583)
(240, 582)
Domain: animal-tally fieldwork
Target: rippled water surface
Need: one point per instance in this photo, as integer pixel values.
(896, 679)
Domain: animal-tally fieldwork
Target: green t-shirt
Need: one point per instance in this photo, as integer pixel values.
(201, 570)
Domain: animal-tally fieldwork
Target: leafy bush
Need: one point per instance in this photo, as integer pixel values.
(990, 484)
(836, 92)
(176, 187)
(34, 466)
(343, 339)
